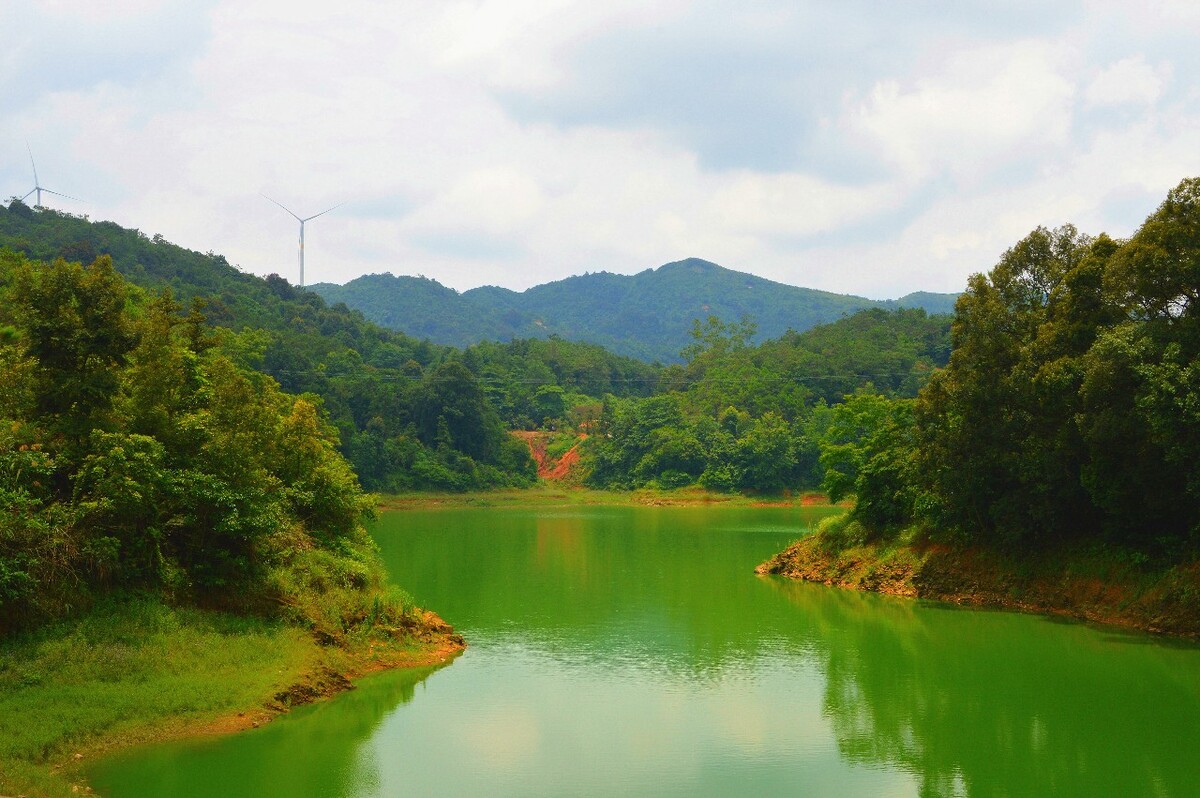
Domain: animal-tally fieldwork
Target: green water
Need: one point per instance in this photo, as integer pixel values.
(633, 651)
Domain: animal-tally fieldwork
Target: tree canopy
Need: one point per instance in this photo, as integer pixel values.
(135, 452)
(1068, 408)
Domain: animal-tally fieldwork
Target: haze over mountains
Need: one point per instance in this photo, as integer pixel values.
(647, 315)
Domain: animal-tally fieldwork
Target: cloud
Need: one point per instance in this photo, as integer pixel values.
(982, 110)
(1130, 80)
(794, 205)
(748, 88)
(873, 148)
(69, 45)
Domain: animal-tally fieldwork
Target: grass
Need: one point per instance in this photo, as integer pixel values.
(137, 671)
(559, 443)
(128, 673)
(550, 494)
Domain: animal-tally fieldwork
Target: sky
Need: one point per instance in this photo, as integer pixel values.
(872, 148)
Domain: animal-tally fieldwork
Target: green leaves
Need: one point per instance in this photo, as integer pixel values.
(134, 453)
(73, 326)
(1068, 410)
(1156, 275)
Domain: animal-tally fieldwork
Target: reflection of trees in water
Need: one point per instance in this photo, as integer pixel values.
(970, 702)
(984, 703)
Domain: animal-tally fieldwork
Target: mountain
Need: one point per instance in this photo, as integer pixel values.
(933, 304)
(647, 315)
(386, 393)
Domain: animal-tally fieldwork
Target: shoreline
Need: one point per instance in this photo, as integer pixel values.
(324, 682)
(1087, 587)
(294, 670)
(550, 495)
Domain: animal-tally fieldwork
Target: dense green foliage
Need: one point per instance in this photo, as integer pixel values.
(1068, 410)
(369, 380)
(646, 315)
(136, 453)
(413, 415)
(743, 417)
(538, 383)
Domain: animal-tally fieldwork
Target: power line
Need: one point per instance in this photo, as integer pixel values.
(378, 376)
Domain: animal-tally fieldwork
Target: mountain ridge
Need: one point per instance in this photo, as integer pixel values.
(647, 315)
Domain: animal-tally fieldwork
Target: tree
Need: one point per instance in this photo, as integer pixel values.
(996, 441)
(452, 400)
(854, 434)
(766, 455)
(1156, 275)
(74, 327)
(714, 338)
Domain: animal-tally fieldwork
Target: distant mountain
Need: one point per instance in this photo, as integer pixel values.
(647, 315)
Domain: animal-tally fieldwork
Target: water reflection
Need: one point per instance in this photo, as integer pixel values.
(633, 651)
(671, 588)
(990, 703)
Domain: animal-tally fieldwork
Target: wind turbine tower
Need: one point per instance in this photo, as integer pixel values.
(302, 221)
(37, 184)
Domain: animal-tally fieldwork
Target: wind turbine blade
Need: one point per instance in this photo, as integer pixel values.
(64, 196)
(281, 205)
(36, 180)
(27, 195)
(327, 210)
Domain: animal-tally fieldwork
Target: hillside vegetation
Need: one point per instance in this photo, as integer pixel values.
(646, 315)
(1068, 413)
(179, 538)
(757, 418)
(136, 453)
(385, 393)
(413, 415)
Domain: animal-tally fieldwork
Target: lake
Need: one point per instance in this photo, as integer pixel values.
(633, 651)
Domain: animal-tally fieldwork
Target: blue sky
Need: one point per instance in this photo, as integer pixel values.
(862, 147)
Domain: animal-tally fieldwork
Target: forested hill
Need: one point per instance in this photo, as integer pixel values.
(647, 315)
(409, 414)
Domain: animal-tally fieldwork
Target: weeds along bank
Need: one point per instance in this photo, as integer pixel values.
(556, 494)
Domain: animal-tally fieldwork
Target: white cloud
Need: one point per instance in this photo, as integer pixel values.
(93, 11)
(981, 109)
(496, 201)
(794, 204)
(942, 142)
(1130, 80)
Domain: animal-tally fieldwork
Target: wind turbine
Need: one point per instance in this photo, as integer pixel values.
(302, 221)
(37, 184)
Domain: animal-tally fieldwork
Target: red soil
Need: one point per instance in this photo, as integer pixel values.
(547, 467)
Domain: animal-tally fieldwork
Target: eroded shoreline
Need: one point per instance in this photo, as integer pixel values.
(1076, 585)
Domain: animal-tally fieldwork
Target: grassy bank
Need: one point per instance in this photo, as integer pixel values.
(549, 494)
(1103, 586)
(139, 671)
